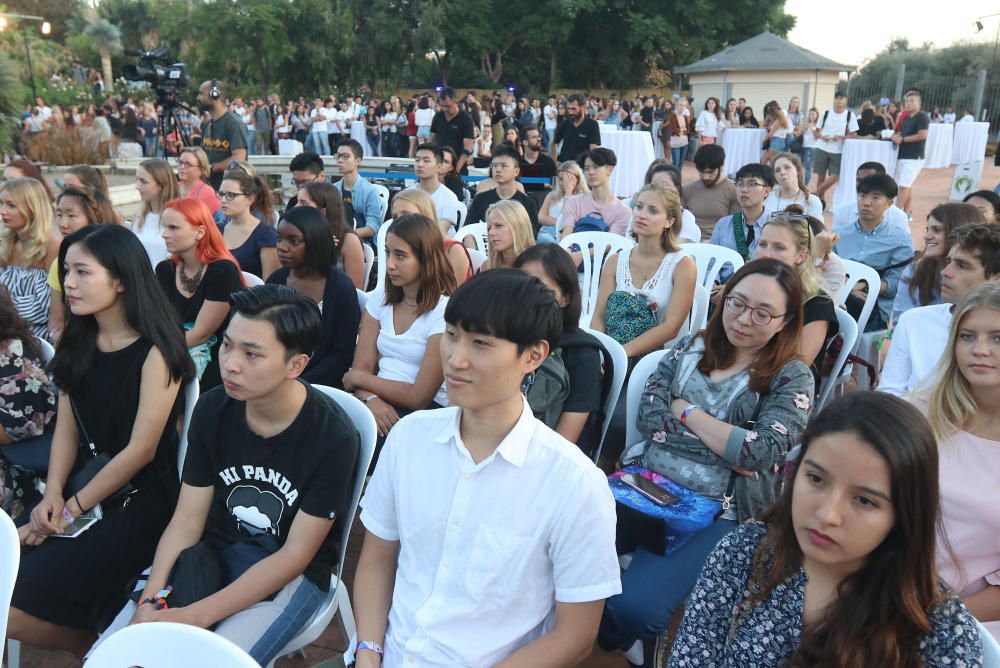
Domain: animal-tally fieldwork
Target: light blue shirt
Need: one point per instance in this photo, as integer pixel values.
(887, 244)
(364, 199)
(723, 235)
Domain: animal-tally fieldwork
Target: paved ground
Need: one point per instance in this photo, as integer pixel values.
(931, 188)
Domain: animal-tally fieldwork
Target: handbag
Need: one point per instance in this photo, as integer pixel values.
(92, 466)
(628, 316)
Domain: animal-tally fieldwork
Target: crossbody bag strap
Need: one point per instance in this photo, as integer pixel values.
(741, 237)
(79, 424)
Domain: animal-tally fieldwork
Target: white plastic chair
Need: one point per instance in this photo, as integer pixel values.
(849, 335)
(369, 263)
(620, 361)
(857, 272)
(252, 280)
(166, 645)
(337, 599)
(462, 212)
(383, 230)
(191, 393)
(644, 368)
(596, 247)
(10, 559)
(48, 352)
(477, 257)
(478, 233)
(383, 200)
(991, 648)
(699, 310)
(362, 299)
(710, 259)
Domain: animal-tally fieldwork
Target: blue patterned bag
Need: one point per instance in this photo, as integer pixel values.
(628, 316)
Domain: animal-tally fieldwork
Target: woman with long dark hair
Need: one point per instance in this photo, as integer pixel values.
(306, 254)
(119, 369)
(840, 571)
(718, 417)
(349, 255)
(251, 240)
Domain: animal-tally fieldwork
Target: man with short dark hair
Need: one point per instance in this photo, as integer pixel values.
(741, 230)
(712, 196)
(834, 126)
(551, 115)
(454, 128)
(911, 138)
(426, 161)
(578, 133)
(305, 167)
(920, 337)
(848, 212)
(535, 163)
(357, 192)
(599, 206)
(874, 241)
(507, 558)
(224, 135)
(505, 171)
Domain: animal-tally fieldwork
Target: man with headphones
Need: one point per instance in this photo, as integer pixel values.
(224, 135)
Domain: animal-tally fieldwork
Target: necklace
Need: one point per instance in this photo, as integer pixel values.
(413, 305)
(790, 201)
(190, 284)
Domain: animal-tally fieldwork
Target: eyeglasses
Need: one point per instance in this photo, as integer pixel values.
(182, 163)
(759, 316)
(233, 164)
(792, 215)
(226, 196)
(748, 185)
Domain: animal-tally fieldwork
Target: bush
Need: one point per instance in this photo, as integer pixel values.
(61, 147)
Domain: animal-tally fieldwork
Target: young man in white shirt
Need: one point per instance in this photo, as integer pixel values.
(834, 126)
(921, 335)
(426, 160)
(551, 114)
(490, 538)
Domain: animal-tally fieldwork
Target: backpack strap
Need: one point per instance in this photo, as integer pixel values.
(741, 238)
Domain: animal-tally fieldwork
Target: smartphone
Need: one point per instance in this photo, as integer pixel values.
(81, 523)
(649, 489)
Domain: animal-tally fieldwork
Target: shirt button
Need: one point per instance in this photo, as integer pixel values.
(468, 477)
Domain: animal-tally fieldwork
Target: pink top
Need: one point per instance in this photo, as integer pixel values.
(615, 213)
(970, 494)
(207, 195)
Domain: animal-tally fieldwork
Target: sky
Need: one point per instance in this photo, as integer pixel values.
(852, 31)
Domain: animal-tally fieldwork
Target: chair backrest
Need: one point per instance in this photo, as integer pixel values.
(48, 352)
(191, 393)
(383, 230)
(364, 422)
(362, 299)
(991, 648)
(383, 200)
(644, 368)
(478, 233)
(710, 259)
(463, 211)
(10, 559)
(856, 272)
(699, 309)
(619, 359)
(478, 258)
(252, 280)
(596, 248)
(369, 263)
(849, 339)
(168, 644)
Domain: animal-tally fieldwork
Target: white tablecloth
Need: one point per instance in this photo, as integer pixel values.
(289, 147)
(937, 150)
(657, 144)
(634, 151)
(970, 142)
(358, 135)
(857, 151)
(742, 146)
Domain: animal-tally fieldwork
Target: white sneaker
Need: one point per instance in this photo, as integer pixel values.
(636, 654)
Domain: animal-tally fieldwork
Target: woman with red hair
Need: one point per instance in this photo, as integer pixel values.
(198, 278)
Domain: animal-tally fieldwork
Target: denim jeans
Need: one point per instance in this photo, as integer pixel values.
(653, 588)
(319, 142)
(807, 165)
(677, 156)
(251, 144)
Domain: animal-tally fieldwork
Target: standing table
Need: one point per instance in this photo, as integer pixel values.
(742, 146)
(634, 151)
(856, 152)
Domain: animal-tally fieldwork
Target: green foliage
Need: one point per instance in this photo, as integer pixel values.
(11, 96)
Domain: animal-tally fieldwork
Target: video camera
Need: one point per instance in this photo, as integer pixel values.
(155, 68)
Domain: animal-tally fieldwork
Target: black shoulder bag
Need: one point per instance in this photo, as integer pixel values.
(91, 466)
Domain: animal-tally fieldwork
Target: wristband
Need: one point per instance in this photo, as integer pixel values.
(66, 515)
(371, 646)
(687, 411)
(370, 397)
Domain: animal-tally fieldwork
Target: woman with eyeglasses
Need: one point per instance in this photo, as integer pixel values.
(192, 170)
(788, 237)
(252, 242)
(717, 417)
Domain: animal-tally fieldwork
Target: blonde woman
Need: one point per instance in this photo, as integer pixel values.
(778, 128)
(415, 200)
(509, 229)
(788, 237)
(192, 170)
(28, 245)
(569, 181)
(156, 184)
(963, 407)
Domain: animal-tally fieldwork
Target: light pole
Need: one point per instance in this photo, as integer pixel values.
(46, 29)
(996, 40)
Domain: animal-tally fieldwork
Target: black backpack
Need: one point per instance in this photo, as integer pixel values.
(591, 434)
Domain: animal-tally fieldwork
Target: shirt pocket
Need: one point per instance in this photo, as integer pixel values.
(503, 569)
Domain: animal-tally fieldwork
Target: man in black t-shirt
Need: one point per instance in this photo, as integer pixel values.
(224, 136)
(505, 171)
(577, 133)
(270, 469)
(535, 164)
(910, 138)
(454, 128)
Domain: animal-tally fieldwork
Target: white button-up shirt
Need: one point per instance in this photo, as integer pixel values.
(486, 549)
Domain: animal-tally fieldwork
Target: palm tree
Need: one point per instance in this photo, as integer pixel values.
(107, 39)
(10, 102)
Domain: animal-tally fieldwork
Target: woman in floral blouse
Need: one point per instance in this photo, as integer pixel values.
(694, 417)
(841, 570)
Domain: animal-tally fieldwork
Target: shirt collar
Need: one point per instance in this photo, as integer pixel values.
(514, 446)
(874, 230)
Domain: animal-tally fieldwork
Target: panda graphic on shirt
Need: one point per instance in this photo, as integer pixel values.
(255, 512)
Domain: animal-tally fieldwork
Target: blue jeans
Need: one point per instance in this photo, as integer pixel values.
(547, 234)
(677, 156)
(299, 608)
(807, 165)
(319, 142)
(251, 147)
(653, 588)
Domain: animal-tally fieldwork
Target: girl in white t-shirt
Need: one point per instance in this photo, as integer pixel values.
(790, 188)
(397, 363)
(809, 143)
(155, 181)
(709, 121)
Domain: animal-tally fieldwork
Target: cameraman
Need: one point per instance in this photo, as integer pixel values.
(224, 135)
